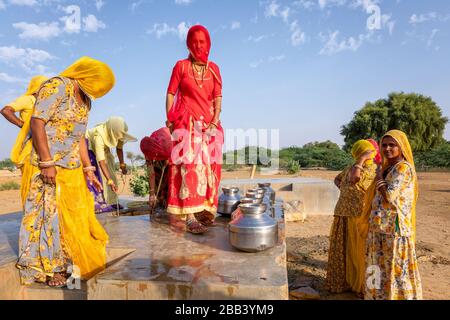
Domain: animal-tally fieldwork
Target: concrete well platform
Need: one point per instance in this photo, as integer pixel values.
(172, 266)
(146, 260)
(319, 196)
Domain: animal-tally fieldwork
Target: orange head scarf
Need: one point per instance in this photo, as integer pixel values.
(94, 77)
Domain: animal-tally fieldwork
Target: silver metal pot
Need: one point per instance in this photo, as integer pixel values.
(252, 229)
(269, 191)
(228, 200)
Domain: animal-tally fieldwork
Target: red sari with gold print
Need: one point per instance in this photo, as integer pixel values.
(195, 166)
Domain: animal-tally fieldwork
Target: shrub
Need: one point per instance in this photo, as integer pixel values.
(293, 167)
(10, 185)
(139, 184)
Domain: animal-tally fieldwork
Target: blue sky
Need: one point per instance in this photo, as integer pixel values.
(300, 66)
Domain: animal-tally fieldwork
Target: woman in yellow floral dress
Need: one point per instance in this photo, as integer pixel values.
(353, 183)
(20, 153)
(59, 229)
(392, 272)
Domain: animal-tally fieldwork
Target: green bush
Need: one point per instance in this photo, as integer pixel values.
(7, 164)
(10, 185)
(316, 154)
(139, 185)
(436, 158)
(293, 167)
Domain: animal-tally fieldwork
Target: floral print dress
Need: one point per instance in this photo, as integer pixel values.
(392, 271)
(43, 250)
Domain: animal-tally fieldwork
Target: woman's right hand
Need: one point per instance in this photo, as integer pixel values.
(49, 175)
(368, 155)
(113, 187)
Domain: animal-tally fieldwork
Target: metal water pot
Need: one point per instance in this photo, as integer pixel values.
(228, 200)
(269, 191)
(252, 229)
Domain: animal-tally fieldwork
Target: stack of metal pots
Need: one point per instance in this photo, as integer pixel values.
(228, 201)
(270, 193)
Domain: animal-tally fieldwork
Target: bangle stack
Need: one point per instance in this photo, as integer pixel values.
(46, 164)
(381, 183)
(89, 169)
(215, 124)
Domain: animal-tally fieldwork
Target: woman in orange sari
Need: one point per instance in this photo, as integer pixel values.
(193, 105)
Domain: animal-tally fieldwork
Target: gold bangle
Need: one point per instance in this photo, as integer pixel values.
(110, 182)
(123, 165)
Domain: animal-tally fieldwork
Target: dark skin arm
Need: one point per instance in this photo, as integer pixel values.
(355, 173)
(41, 146)
(90, 176)
(10, 115)
(152, 200)
(123, 166)
(107, 174)
(383, 189)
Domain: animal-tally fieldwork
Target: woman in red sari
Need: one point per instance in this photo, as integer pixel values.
(193, 105)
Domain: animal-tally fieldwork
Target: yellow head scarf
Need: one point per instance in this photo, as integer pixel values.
(94, 77)
(22, 148)
(115, 129)
(360, 147)
(35, 84)
(402, 141)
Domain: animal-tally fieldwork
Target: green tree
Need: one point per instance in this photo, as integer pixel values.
(416, 115)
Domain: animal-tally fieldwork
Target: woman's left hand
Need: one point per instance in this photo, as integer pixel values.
(124, 169)
(92, 179)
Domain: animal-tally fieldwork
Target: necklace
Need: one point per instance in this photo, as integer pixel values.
(201, 72)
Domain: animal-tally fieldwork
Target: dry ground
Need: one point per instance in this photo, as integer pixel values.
(307, 242)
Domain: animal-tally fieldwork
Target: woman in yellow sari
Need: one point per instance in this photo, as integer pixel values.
(392, 270)
(59, 230)
(353, 183)
(20, 153)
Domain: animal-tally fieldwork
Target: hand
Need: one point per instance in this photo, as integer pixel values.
(49, 175)
(93, 181)
(379, 173)
(152, 201)
(368, 155)
(113, 187)
(123, 168)
(211, 130)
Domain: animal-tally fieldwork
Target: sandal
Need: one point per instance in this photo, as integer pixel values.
(194, 227)
(205, 218)
(59, 280)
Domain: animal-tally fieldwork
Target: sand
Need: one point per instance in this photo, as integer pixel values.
(308, 241)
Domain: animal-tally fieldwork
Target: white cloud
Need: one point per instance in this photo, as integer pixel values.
(426, 17)
(136, 4)
(257, 63)
(42, 31)
(333, 45)
(277, 58)
(2, 5)
(162, 29)
(10, 79)
(330, 3)
(365, 4)
(183, 2)
(306, 4)
(298, 37)
(30, 3)
(99, 4)
(259, 38)
(92, 24)
(431, 38)
(30, 60)
(272, 10)
(235, 25)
